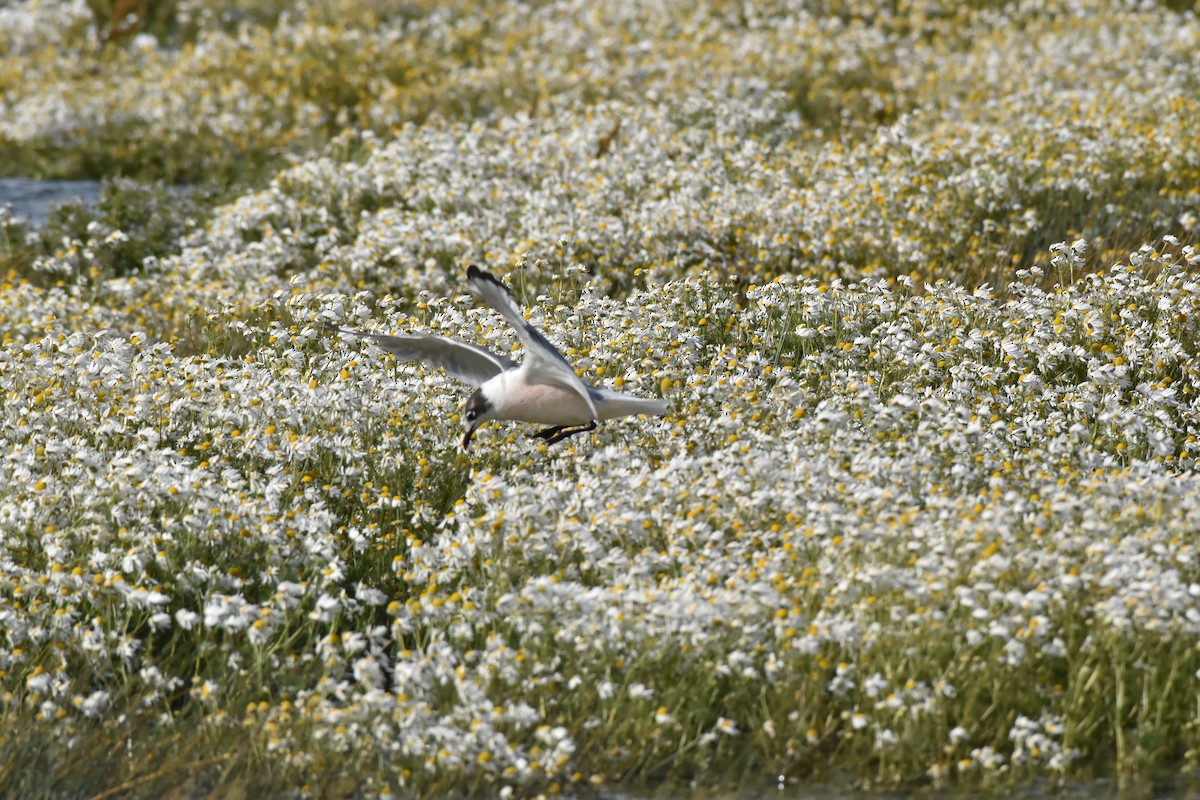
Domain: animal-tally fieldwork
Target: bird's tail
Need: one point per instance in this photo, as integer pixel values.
(610, 405)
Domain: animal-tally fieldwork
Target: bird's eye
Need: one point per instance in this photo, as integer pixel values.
(471, 416)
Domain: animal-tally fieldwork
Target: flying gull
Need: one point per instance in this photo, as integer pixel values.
(542, 389)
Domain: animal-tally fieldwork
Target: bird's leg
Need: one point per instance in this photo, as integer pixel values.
(559, 432)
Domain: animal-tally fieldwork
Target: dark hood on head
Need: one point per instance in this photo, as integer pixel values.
(477, 403)
(477, 406)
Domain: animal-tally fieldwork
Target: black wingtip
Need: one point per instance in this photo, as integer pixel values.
(474, 273)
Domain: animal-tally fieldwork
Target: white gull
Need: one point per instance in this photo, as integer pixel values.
(542, 389)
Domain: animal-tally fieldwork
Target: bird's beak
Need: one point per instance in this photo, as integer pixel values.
(467, 437)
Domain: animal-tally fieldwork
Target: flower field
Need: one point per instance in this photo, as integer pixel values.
(917, 279)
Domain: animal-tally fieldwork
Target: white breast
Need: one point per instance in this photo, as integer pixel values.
(514, 398)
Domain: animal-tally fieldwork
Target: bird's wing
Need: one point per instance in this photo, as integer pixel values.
(542, 359)
(466, 362)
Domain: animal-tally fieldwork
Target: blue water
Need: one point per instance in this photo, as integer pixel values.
(32, 200)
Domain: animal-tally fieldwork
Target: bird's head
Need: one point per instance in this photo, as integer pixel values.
(477, 411)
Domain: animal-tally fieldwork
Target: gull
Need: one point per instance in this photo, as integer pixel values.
(542, 389)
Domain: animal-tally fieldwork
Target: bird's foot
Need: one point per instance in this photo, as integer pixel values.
(559, 432)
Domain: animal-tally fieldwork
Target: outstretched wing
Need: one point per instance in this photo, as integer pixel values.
(466, 362)
(543, 361)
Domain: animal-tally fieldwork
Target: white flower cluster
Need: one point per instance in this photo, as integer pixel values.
(887, 523)
(1041, 741)
(756, 143)
(850, 471)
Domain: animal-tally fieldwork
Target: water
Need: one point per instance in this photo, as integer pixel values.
(32, 200)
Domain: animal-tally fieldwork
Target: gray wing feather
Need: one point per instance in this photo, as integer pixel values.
(466, 362)
(542, 358)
